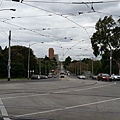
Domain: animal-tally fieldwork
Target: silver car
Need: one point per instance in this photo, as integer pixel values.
(115, 77)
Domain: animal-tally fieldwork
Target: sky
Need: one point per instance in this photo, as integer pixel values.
(64, 25)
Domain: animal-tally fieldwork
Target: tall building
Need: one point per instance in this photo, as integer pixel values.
(51, 53)
(57, 58)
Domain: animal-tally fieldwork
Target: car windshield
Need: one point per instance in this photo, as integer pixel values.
(105, 75)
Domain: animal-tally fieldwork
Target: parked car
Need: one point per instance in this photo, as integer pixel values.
(104, 77)
(94, 77)
(81, 76)
(115, 77)
(43, 76)
(35, 77)
(50, 76)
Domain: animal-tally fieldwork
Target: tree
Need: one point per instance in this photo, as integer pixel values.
(67, 61)
(3, 63)
(19, 61)
(106, 38)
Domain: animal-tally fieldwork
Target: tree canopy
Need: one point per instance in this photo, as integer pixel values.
(107, 38)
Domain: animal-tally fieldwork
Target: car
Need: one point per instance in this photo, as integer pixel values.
(104, 77)
(62, 74)
(50, 76)
(81, 76)
(94, 77)
(43, 76)
(115, 77)
(35, 77)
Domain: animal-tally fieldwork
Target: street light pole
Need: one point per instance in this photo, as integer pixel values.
(29, 62)
(9, 56)
(92, 67)
(80, 66)
(110, 62)
(29, 59)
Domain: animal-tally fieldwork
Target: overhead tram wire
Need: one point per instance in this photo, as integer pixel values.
(48, 36)
(67, 17)
(61, 16)
(31, 30)
(58, 15)
(98, 2)
(3, 31)
(73, 46)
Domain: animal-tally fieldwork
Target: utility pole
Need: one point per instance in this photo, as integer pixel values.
(110, 62)
(80, 66)
(29, 62)
(92, 67)
(39, 67)
(9, 56)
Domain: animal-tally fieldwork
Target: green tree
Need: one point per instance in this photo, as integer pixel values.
(19, 61)
(3, 63)
(106, 39)
(67, 61)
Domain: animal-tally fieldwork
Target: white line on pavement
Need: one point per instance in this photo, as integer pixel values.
(25, 96)
(58, 92)
(71, 107)
(3, 110)
(96, 87)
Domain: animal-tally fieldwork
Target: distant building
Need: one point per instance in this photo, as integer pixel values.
(57, 58)
(51, 53)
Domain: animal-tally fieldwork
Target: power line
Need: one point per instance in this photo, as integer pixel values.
(58, 15)
(23, 28)
(98, 2)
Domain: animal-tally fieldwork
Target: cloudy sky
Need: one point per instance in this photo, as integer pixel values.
(64, 25)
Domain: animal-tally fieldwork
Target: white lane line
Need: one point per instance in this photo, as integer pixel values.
(96, 87)
(25, 96)
(58, 92)
(3, 110)
(64, 91)
(67, 108)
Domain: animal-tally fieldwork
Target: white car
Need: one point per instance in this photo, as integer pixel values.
(35, 77)
(81, 76)
(62, 74)
(115, 77)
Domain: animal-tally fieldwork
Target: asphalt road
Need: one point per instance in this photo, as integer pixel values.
(64, 99)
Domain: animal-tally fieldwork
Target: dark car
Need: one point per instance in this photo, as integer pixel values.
(104, 77)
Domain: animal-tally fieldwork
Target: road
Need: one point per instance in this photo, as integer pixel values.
(64, 99)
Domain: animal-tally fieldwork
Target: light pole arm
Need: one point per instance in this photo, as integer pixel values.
(8, 9)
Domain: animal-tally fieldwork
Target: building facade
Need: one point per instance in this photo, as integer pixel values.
(57, 58)
(51, 53)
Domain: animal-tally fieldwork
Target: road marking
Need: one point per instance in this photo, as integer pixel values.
(3, 110)
(25, 96)
(64, 91)
(96, 87)
(67, 108)
(58, 92)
